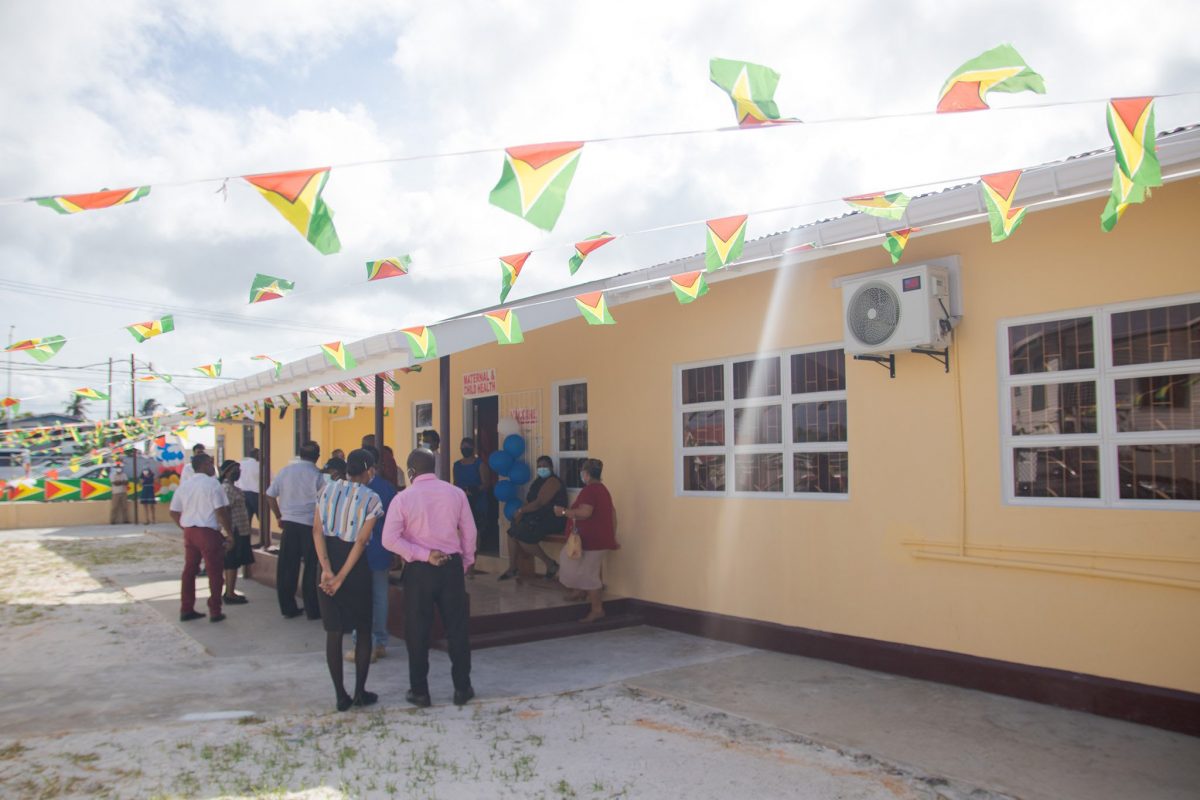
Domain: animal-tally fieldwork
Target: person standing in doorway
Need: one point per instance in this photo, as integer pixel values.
(201, 509)
(433, 443)
(469, 476)
(379, 560)
(293, 499)
(430, 526)
(118, 513)
(248, 483)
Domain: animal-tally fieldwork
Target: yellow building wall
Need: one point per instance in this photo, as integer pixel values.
(842, 566)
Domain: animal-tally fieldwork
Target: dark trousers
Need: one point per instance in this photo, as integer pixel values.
(207, 544)
(427, 586)
(296, 547)
(251, 504)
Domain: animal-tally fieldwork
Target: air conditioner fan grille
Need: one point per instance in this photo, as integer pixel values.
(873, 313)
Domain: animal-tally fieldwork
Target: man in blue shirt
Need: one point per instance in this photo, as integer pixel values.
(380, 562)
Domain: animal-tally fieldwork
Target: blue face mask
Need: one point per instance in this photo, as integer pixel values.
(543, 472)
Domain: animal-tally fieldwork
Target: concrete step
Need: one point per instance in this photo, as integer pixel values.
(555, 630)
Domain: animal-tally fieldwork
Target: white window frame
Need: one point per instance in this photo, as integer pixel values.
(787, 447)
(417, 431)
(1107, 438)
(557, 417)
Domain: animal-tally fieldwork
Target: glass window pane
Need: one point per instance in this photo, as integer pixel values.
(1057, 471)
(704, 473)
(1155, 335)
(1054, 408)
(762, 425)
(423, 416)
(819, 422)
(821, 472)
(704, 384)
(759, 472)
(1051, 346)
(1158, 403)
(572, 399)
(573, 436)
(1159, 472)
(758, 378)
(704, 428)
(819, 372)
(568, 471)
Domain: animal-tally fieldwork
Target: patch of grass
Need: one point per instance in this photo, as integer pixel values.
(251, 720)
(12, 751)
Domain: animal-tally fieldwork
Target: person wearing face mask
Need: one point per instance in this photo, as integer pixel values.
(594, 518)
(536, 520)
(469, 476)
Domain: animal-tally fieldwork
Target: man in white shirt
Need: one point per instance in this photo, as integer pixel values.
(293, 500)
(248, 482)
(188, 470)
(201, 508)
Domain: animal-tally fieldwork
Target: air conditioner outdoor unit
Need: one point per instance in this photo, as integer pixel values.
(897, 310)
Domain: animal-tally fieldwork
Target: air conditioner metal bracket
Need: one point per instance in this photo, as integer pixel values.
(888, 362)
(941, 356)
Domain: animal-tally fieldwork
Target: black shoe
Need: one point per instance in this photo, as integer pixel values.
(344, 702)
(508, 573)
(293, 614)
(418, 699)
(463, 696)
(235, 599)
(216, 618)
(552, 570)
(366, 698)
(189, 616)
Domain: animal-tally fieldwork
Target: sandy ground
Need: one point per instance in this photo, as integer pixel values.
(91, 676)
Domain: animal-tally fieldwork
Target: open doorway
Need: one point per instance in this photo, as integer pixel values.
(482, 420)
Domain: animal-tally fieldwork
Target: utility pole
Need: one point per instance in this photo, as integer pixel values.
(109, 392)
(8, 392)
(133, 410)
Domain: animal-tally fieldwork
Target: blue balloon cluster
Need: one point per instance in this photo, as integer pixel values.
(511, 508)
(507, 463)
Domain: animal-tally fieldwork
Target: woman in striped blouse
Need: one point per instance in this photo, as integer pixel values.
(342, 524)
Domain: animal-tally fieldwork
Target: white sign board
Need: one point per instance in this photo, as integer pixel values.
(480, 383)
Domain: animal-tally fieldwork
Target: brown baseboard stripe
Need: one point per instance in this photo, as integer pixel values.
(1169, 709)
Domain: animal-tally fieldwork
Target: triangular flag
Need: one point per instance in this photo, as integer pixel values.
(91, 394)
(510, 268)
(210, 370)
(689, 286)
(388, 267)
(1137, 171)
(337, 355)
(999, 192)
(534, 181)
(41, 350)
(421, 342)
(141, 331)
(888, 205)
(584, 249)
(505, 325)
(1000, 69)
(277, 364)
(895, 242)
(594, 308)
(751, 87)
(297, 196)
(268, 287)
(74, 203)
(725, 238)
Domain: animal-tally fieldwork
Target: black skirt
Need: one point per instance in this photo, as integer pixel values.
(350, 608)
(537, 525)
(242, 553)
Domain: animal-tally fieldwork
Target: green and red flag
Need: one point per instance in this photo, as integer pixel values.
(90, 394)
(337, 355)
(421, 342)
(268, 287)
(1000, 69)
(751, 88)
(999, 193)
(297, 196)
(594, 308)
(689, 286)
(534, 181)
(587, 247)
(510, 269)
(74, 203)
(141, 331)
(888, 205)
(390, 381)
(725, 238)
(1137, 171)
(41, 350)
(505, 325)
(382, 268)
(895, 242)
(277, 364)
(210, 370)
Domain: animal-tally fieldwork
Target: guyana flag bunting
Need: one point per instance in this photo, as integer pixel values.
(534, 181)
(91, 394)
(210, 370)
(895, 242)
(725, 239)
(10, 402)
(390, 381)
(505, 325)
(421, 342)
(1000, 69)
(1131, 126)
(999, 192)
(388, 267)
(586, 247)
(751, 87)
(141, 331)
(888, 205)
(337, 355)
(277, 364)
(510, 268)
(74, 203)
(689, 286)
(297, 196)
(41, 350)
(268, 287)
(594, 308)
(362, 385)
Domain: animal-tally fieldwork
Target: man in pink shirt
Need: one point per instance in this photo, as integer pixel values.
(430, 526)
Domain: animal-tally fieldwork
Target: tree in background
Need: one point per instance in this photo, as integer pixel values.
(77, 406)
(150, 406)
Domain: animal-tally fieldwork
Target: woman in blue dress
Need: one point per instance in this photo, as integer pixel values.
(468, 476)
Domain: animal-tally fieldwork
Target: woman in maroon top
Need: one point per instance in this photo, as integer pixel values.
(595, 520)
